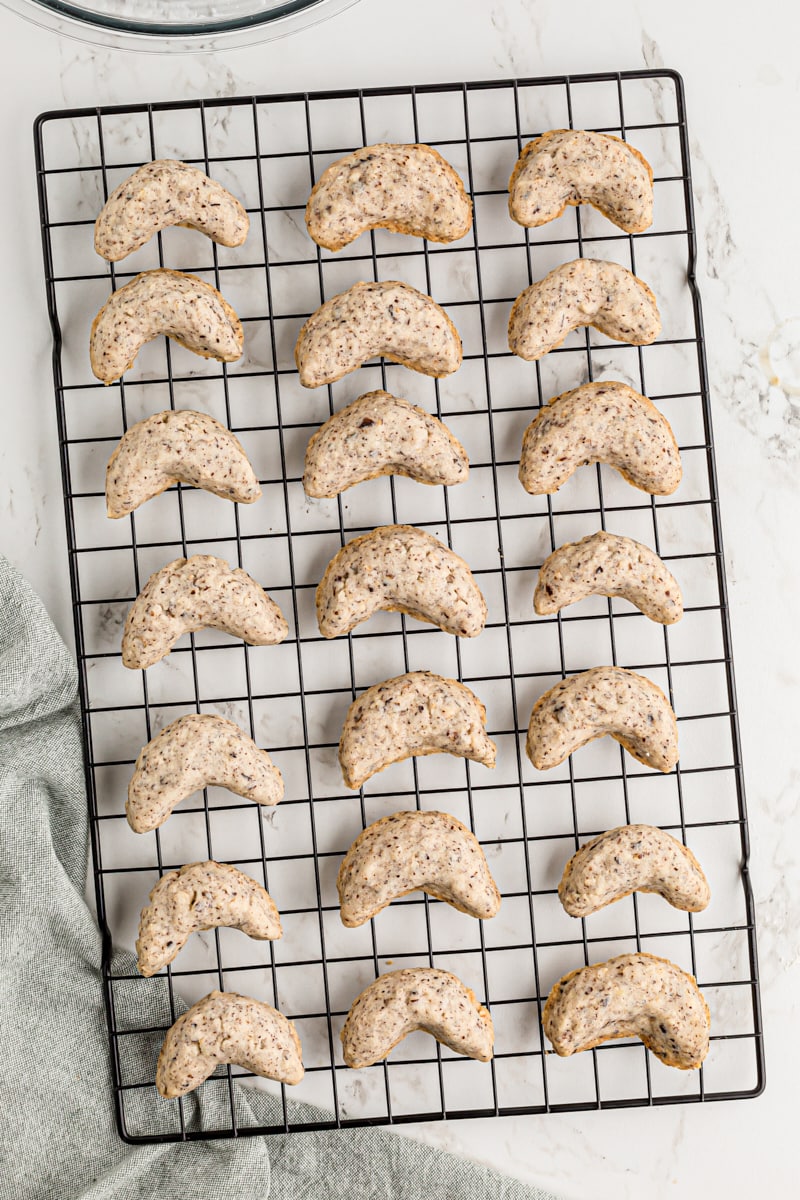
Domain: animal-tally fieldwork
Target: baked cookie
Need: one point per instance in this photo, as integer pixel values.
(600, 422)
(198, 593)
(401, 1002)
(376, 320)
(177, 447)
(578, 166)
(398, 568)
(413, 714)
(406, 188)
(225, 1027)
(605, 564)
(201, 896)
(163, 193)
(587, 291)
(197, 751)
(406, 852)
(632, 858)
(380, 434)
(603, 700)
(180, 306)
(633, 995)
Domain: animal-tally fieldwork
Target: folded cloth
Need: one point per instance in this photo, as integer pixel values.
(57, 1132)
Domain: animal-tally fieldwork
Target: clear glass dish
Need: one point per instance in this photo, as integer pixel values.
(199, 25)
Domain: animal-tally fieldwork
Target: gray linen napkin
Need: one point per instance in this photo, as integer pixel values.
(57, 1134)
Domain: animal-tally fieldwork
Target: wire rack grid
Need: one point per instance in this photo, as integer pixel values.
(292, 698)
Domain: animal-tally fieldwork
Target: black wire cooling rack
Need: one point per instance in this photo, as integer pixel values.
(292, 698)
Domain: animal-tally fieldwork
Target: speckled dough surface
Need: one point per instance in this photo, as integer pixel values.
(198, 593)
(389, 320)
(632, 858)
(586, 291)
(603, 700)
(413, 714)
(406, 188)
(163, 193)
(605, 564)
(416, 998)
(600, 422)
(407, 852)
(633, 995)
(198, 750)
(380, 434)
(180, 306)
(177, 447)
(399, 568)
(202, 895)
(225, 1027)
(577, 166)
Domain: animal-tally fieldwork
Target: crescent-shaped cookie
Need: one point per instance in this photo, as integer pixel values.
(198, 593)
(177, 447)
(197, 751)
(605, 564)
(163, 193)
(603, 700)
(180, 306)
(380, 434)
(587, 291)
(406, 852)
(413, 714)
(401, 1002)
(388, 320)
(225, 1027)
(633, 995)
(202, 895)
(577, 166)
(632, 858)
(406, 188)
(600, 422)
(398, 568)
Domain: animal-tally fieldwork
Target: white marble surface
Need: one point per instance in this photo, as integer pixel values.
(742, 91)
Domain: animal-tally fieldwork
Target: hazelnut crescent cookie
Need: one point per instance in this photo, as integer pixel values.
(198, 593)
(225, 1027)
(177, 447)
(202, 895)
(633, 995)
(407, 852)
(406, 188)
(398, 568)
(603, 700)
(197, 751)
(380, 434)
(414, 714)
(180, 306)
(586, 291)
(163, 193)
(401, 1002)
(577, 166)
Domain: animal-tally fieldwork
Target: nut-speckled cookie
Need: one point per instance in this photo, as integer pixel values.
(604, 422)
(578, 166)
(416, 998)
(632, 858)
(407, 852)
(605, 564)
(202, 895)
(633, 995)
(413, 714)
(587, 291)
(388, 320)
(406, 188)
(603, 700)
(380, 434)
